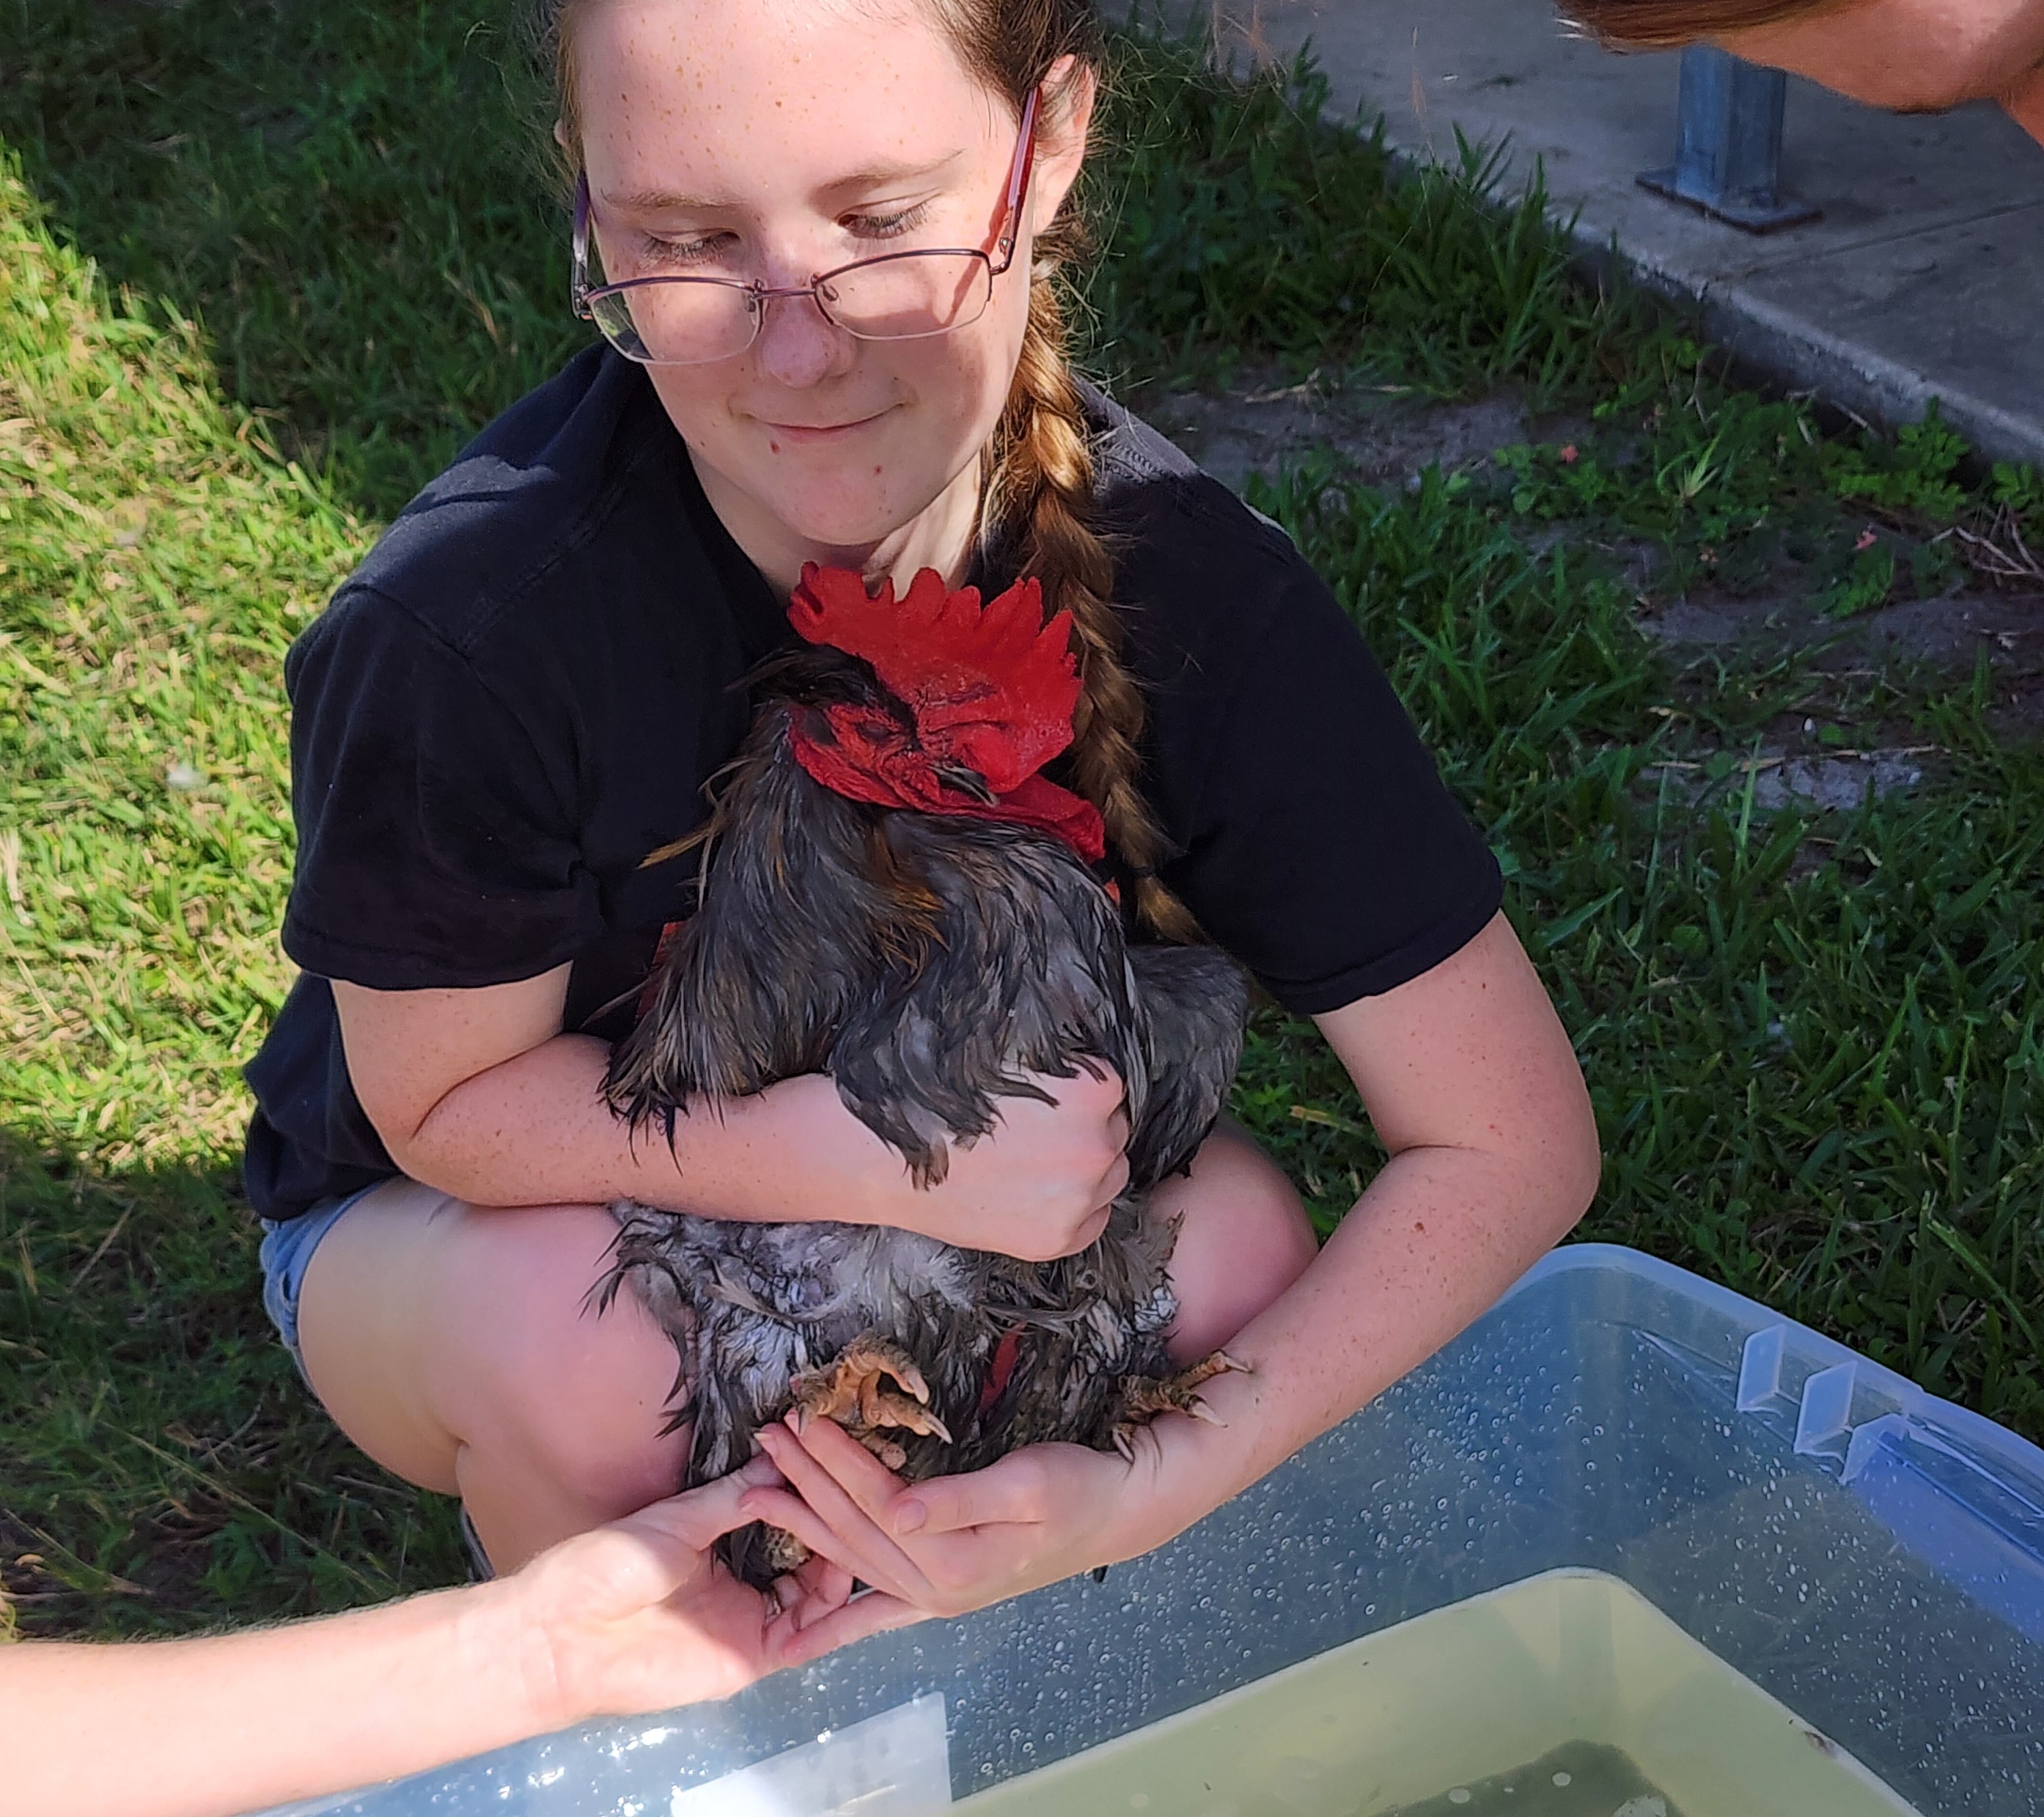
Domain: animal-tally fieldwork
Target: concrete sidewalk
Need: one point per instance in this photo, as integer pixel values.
(1924, 278)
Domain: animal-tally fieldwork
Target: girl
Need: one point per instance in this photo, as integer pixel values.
(818, 238)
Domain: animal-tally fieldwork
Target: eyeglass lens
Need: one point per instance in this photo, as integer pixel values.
(681, 322)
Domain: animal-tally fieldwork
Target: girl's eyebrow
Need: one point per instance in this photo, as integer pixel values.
(875, 176)
(660, 201)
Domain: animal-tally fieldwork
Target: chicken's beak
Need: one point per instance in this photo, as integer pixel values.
(966, 781)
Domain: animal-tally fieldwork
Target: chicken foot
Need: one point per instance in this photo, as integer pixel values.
(872, 1388)
(1144, 1397)
(855, 1390)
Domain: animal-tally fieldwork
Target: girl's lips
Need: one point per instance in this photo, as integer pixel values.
(803, 433)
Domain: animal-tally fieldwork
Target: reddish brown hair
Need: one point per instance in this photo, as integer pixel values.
(1664, 24)
(1039, 484)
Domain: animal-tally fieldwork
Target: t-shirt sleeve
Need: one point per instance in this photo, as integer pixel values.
(436, 843)
(1326, 854)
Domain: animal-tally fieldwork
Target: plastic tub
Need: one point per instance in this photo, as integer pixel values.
(1870, 1556)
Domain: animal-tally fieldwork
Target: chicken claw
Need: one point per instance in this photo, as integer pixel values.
(1144, 1397)
(781, 1552)
(855, 1391)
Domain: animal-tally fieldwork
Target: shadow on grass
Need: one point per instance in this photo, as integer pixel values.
(349, 199)
(162, 1468)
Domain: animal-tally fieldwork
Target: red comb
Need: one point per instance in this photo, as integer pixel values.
(990, 686)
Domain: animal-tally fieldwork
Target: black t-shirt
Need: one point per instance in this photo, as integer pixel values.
(523, 689)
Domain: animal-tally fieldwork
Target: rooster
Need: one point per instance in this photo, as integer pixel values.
(892, 892)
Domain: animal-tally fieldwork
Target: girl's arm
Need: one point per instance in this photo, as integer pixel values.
(1474, 1088)
(480, 1093)
(631, 1617)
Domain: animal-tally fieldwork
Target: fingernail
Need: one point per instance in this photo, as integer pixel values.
(908, 1518)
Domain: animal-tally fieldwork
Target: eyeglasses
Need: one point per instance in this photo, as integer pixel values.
(899, 295)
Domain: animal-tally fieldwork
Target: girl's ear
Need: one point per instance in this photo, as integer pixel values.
(561, 136)
(1064, 120)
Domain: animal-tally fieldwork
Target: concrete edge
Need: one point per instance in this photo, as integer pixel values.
(1762, 339)
(1771, 345)
(1771, 341)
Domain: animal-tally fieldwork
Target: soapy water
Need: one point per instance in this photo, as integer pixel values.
(1565, 1695)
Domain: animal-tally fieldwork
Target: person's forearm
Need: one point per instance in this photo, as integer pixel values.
(1439, 1236)
(240, 1722)
(536, 1131)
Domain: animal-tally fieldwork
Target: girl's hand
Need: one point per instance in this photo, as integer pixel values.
(640, 1614)
(953, 1543)
(1038, 1186)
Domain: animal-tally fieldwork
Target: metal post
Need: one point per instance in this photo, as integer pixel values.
(1728, 144)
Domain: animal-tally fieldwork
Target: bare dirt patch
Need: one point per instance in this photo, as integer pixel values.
(1387, 435)
(1382, 435)
(1950, 634)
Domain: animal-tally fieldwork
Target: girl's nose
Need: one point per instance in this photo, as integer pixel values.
(798, 346)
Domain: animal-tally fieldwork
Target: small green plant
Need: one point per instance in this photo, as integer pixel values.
(2020, 489)
(1911, 478)
(1866, 583)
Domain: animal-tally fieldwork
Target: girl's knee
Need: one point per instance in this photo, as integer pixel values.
(1243, 1239)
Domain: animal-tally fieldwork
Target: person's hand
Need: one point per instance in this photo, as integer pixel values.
(953, 1543)
(639, 1615)
(1037, 1186)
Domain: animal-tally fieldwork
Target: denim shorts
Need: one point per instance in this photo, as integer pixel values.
(287, 1248)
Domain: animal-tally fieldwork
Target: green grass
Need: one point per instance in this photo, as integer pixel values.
(265, 267)
(154, 562)
(1246, 222)
(1815, 1041)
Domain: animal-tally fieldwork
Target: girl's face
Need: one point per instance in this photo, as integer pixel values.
(774, 140)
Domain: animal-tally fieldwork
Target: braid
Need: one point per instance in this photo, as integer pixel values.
(1041, 493)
